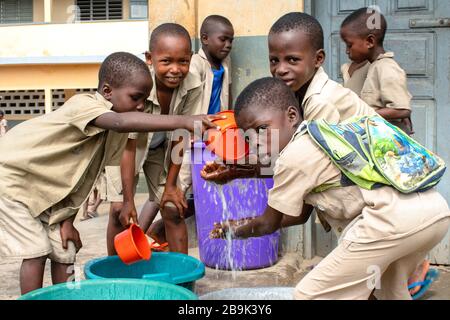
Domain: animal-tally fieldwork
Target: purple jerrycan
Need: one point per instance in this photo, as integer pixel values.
(237, 199)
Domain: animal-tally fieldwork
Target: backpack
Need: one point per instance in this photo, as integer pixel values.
(372, 152)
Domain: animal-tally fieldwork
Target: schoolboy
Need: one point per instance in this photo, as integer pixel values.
(296, 56)
(385, 88)
(176, 91)
(386, 234)
(55, 159)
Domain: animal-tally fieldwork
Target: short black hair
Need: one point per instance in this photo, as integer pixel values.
(300, 21)
(212, 21)
(266, 93)
(119, 67)
(359, 21)
(2, 113)
(169, 29)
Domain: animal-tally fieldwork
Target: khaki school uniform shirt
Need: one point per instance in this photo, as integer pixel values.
(386, 84)
(55, 159)
(367, 215)
(201, 67)
(355, 82)
(327, 99)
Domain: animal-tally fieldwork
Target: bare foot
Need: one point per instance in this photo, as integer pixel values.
(157, 232)
(418, 276)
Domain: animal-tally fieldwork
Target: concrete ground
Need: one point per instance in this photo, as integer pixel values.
(289, 269)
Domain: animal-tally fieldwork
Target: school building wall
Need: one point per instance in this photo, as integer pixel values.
(55, 53)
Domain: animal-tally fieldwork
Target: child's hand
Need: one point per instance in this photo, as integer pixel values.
(221, 173)
(204, 120)
(216, 172)
(174, 195)
(127, 213)
(227, 229)
(69, 233)
(407, 123)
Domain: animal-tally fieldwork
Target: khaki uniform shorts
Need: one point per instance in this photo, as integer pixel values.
(153, 169)
(25, 237)
(113, 182)
(353, 270)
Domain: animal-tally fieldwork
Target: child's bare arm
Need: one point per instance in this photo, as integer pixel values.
(289, 221)
(268, 223)
(392, 114)
(223, 173)
(144, 122)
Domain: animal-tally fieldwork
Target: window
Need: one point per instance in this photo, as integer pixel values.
(138, 9)
(16, 11)
(91, 10)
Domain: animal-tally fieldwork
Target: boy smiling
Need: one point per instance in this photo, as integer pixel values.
(296, 56)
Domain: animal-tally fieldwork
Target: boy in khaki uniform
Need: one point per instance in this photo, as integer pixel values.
(216, 35)
(55, 159)
(177, 91)
(385, 88)
(319, 96)
(386, 233)
(212, 66)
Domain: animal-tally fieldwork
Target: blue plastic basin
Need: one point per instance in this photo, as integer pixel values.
(112, 289)
(170, 267)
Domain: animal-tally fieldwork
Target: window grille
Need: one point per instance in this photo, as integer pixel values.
(16, 11)
(92, 10)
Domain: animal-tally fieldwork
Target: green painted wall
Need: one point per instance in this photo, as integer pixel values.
(250, 61)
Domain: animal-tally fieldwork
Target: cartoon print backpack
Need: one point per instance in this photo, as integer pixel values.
(371, 153)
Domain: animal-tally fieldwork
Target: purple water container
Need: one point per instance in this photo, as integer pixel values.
(240, 198)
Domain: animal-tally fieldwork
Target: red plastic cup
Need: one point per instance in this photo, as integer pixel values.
(228, 143)
(132, 245)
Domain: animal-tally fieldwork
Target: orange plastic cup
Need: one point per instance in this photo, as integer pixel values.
(228, 122)
(132, 245)
(228, 143)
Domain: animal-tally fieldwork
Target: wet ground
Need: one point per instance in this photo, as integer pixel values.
(289, 269)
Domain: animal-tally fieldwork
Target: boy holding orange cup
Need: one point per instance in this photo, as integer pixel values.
(212, 66)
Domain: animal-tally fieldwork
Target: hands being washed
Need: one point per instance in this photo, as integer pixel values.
(228, 227)
(222, 173)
